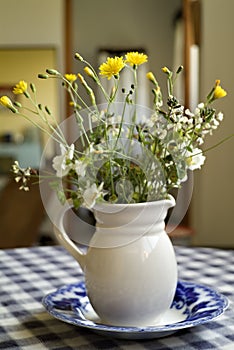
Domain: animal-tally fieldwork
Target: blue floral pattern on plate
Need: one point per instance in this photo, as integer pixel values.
(193, 305)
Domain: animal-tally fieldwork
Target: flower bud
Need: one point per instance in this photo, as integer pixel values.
(43, 76)
(5, 101)
(92, 97)
(52, 72)
(81, 78)
(13, 109)
(47, 110)
(113, 92)
(179, 69)
(17, 104)
(75, 105)
(90, 73)
(26, 94)
(166, 70)
(33, 88)
(79, 57)
(151, 77)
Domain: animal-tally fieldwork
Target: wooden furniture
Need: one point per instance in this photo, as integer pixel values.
(21, 214)
(181, 235)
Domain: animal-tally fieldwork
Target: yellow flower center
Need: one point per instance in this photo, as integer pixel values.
(190, 161)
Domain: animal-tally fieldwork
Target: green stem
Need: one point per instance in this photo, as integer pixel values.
(39, 127)
(44, 118)
(217, 144)
(121, 122)
(106, 139)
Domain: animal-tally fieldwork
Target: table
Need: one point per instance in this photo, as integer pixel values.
(27, 274)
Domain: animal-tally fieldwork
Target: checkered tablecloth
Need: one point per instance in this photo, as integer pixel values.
(26, 275)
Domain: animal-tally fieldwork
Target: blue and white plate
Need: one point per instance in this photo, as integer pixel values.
(193, 305)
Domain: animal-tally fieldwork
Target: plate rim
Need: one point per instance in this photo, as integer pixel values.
(105, 328)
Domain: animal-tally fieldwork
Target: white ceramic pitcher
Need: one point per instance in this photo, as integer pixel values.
(130, 267)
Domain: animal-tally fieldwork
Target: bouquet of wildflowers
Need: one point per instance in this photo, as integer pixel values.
(124, 153)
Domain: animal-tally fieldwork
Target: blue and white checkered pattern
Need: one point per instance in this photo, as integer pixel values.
(27, 274)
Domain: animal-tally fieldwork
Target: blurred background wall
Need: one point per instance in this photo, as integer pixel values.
(212, 206)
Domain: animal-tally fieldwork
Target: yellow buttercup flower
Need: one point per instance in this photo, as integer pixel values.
(70, 77)
(136, 58)
(20, 88)
(112, 67)
(219, 92)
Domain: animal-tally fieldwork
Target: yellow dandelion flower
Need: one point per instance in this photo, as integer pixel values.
(136, 58)
(112, 67)
(70, 77)
(5, 101)
(219, 92)
(20, 88)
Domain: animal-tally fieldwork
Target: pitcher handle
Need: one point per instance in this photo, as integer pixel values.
(63, 237)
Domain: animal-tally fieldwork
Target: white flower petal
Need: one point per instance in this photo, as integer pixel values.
(195, 159)
(80, 168)
(59, 163)
(91, 194)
